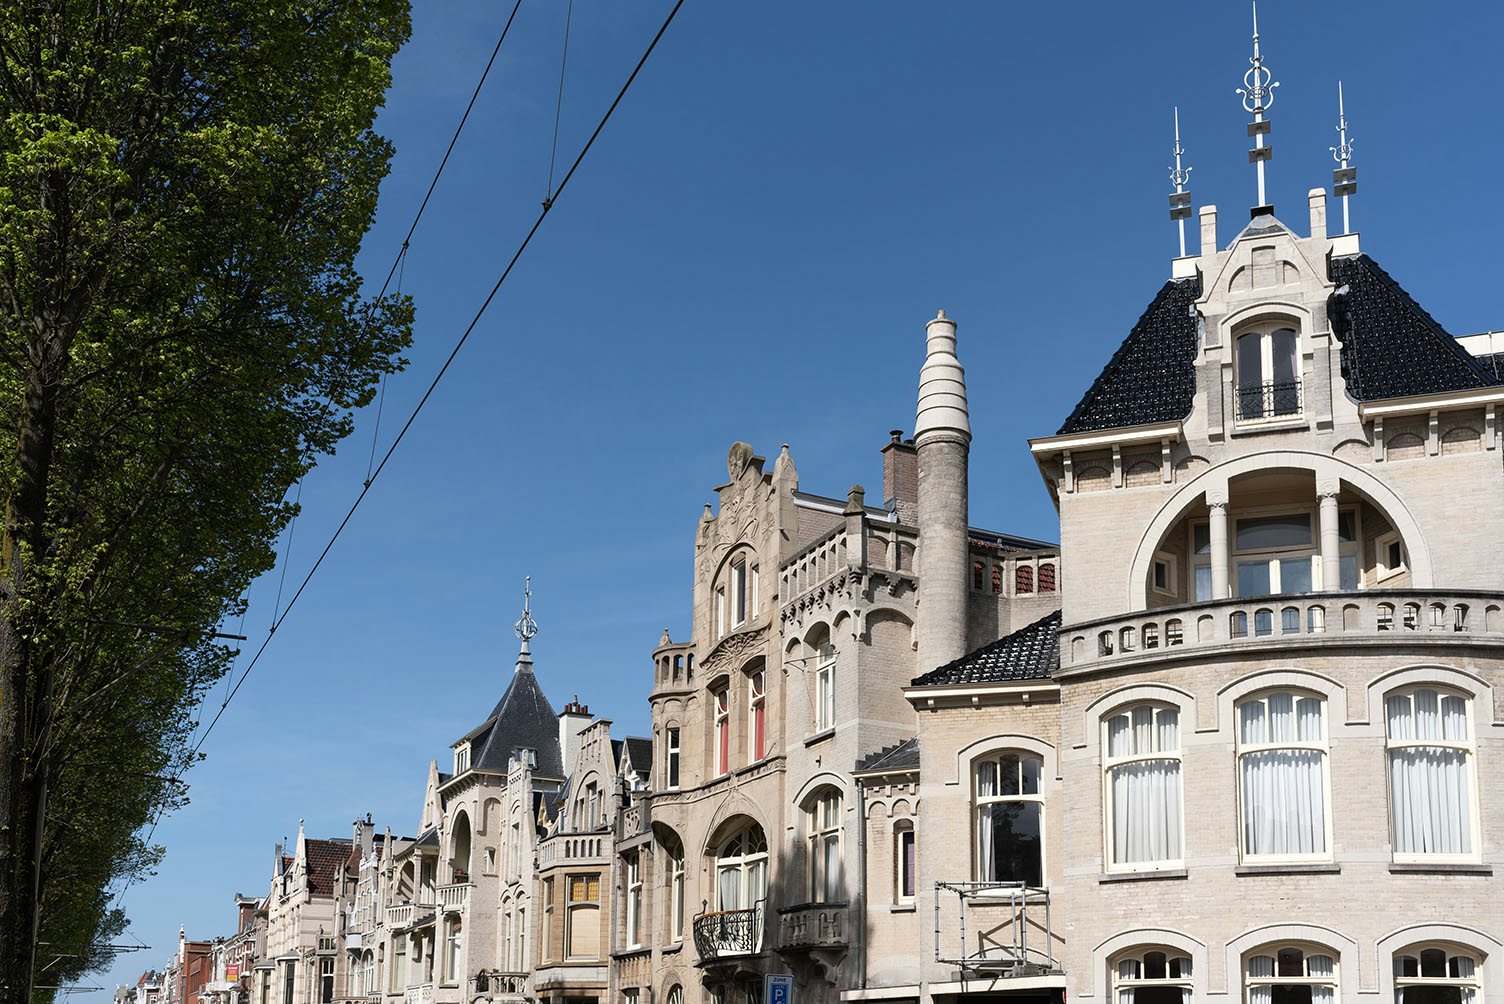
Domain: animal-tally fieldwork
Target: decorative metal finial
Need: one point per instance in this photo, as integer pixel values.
(527, 628)
(1180, 199)
(1344, 178)
(1258, 96)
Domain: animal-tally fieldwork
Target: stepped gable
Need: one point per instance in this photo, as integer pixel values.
(899, 756)
(1391, 347)
(1030, 653)
(1151, 377)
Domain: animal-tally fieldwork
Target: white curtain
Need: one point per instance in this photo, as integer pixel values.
(1429, 792)
(1261, 967)
(1284, 800)
(988, 870)
(1127, 970)
(1145, 793)
(1321, 967)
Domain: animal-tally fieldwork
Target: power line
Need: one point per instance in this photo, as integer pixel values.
(458, 345)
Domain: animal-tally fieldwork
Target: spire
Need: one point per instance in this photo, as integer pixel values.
(942, 384)
(1180, 199)
(1344, 178)
(526, 628)
(1258, 95)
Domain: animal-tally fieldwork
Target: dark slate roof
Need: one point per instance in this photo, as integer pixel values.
(523, 718)
(900, 756)
(1390, 346)
(428, 838)
(640, 755)
(1152, 377)
(1030, 653)
(1493, 366)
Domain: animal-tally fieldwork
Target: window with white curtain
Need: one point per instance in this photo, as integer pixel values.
(634, 901)
(1436, 975)
(1143, 787)
(1152, 977)
(1430, 774)
(1010, 819)
(1291, 975)
(825, 687)
(1282, 754)
(822, 817)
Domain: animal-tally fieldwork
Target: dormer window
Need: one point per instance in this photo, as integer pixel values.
(462, 758)
(1268, 374)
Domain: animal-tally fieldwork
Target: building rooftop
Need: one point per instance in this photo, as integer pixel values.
(1030, 653)
(899, 756)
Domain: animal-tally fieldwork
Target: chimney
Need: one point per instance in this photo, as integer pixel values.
(572, 721)
(1208, 230)
(1317, 198)
(900, 474)
(942, 432)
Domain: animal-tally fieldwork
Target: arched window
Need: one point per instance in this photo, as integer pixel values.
(741, 870)
(1009, 819)
(1268, 374)
(825, 687)
(757, 708)
(1023, 580)
(1152, 977)
(905, 861)
(676, 994)
(1430, 773)
(1047, 577)
(459, 849)
(822, 827)
(1143, 787)
(1290, 975)
(722, 699)
(676, 891)
(1436, 975)
(1282, 754)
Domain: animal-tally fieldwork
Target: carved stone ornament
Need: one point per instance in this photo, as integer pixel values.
(737, 459)
(733, 650)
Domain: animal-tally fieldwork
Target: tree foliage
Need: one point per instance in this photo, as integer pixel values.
(184, 185)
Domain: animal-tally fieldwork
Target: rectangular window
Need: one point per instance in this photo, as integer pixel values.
(1163, 575)
(739, 592)
(452, 944)
(671, 763)
(582, 917)
(757, 703)
(1143, 787)
(722, 732)
(1282, 761)
(720, 611)
(906, 864)
(634, 901)
(676, 894)
(825, 687)
(326, 981)
(399, 963)
(1430, 776)
(546, 933)
(592, 807)
(289, 982)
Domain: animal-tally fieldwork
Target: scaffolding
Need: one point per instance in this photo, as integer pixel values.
(1002, 927)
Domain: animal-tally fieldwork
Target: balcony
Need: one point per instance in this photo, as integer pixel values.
(813, 925)
(727, 934)
(400, 916)
(453, 898)
(1305, 620)
(1267, 402)
(420, 994)
(498, 984)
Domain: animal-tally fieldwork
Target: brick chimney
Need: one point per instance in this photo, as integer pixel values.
(572, 721)
(900, 473)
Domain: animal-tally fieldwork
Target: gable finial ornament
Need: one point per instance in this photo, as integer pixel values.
(1345, 177)
(1258, 96)
(526, 628)
(1180, 199)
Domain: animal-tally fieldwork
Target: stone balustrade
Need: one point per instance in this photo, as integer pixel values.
(455, 896)
(1375, 616)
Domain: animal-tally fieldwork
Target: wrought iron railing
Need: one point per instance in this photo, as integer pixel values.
(726, 933)
(1265, 401)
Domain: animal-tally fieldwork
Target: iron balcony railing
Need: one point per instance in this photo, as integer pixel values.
(1266, 401)
(729, 933)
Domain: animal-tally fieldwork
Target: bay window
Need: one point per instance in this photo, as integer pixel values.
(1009, 810)
(1430, 774)
(1282, 755)
(1143, 787)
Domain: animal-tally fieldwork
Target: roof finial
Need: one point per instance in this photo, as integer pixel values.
(1258, 95)
(1180, 200)
(527, 628)
(1344, 178)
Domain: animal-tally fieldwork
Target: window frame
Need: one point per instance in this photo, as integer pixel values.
(757, 715)
(546, 934)
(1172, 573)
(454, 946)
(996, 758)
(824, 823)
(574, 906)
(1111, 762)
(825, 686)
(1242, 750)
(672, 758)
(737, 572)
(1381, 545)
(1307, 950)
(1265, 332)
(905, 866)
(676, 893)
(721, 728)
(632, 880)
(1470, 772)
(1450, 952)
(1185, 982)
(1203, 559)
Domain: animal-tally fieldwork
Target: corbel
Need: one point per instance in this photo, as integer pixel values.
(1117, 466)
(1166, 471)
(1378, 439)
(1433, 433)
(1070, 472)
(1490, 428)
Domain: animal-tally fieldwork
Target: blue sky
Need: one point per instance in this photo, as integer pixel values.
(751, 252)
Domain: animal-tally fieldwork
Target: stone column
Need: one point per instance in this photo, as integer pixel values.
(1217, 507)
(1331, 541)
(942, 433)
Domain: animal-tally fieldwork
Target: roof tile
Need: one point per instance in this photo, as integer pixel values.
(1030, 653)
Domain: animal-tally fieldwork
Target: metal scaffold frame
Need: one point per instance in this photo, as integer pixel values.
(1008, 956)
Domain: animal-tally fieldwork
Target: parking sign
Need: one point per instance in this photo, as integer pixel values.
(778, 989)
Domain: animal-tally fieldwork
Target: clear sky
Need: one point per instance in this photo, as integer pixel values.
(751, 252)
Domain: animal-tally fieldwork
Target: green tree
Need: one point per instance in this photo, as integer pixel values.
(184, 185)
